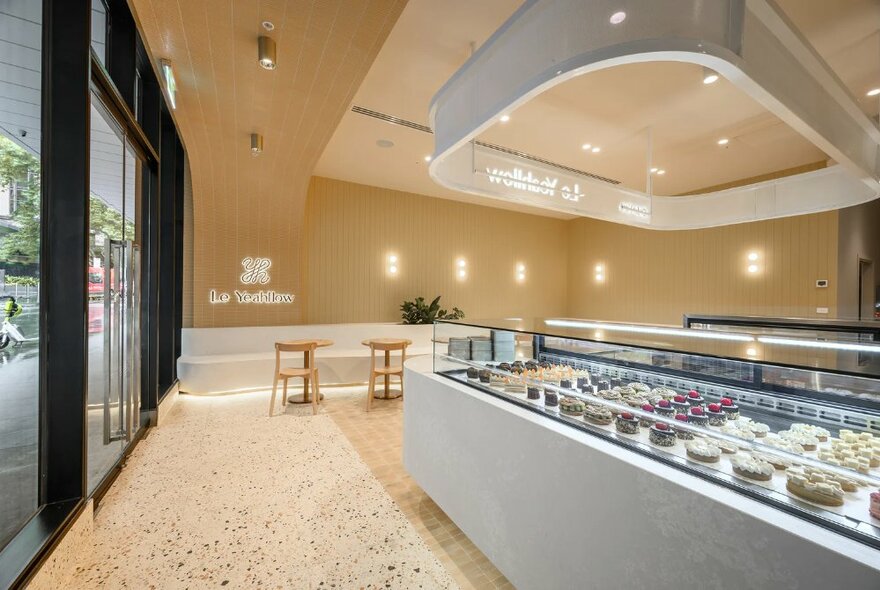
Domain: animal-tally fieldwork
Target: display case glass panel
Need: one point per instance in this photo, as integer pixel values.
(792, 422)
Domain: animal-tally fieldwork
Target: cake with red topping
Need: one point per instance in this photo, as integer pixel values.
(716, 416)
(697, 416)
(626, 423)
(646, 422)
(680, 404)
(664, 408)
(680, 432)
(729, 408)
(694, 398)
(661, 435)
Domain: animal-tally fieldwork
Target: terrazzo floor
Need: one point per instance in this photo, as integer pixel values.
(223, 496)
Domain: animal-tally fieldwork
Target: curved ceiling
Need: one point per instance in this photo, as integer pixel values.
(432, 40)
(242, 205)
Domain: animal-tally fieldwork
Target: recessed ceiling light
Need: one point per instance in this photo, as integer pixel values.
(586, 146)
(267, 24)
(661, 172)
(654, 170)
(596, 150)
(723, 141)
(874, 92)
(617, 18)
(753, 268)
(753, 256)
(384, 143)
(710, 76)
(504, 118)
(427, 158)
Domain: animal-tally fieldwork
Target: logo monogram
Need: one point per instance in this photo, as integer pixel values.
(256, 271)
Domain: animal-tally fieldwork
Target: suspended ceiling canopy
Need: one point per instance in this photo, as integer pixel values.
(611, 108)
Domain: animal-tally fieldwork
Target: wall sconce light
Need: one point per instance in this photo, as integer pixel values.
(392, 264)
(266, 52)
(753, 267)
(600, 273)
(461, 269)
(520, 272)
(256, 144)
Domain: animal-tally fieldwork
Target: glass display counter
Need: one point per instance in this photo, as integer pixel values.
(792, 423)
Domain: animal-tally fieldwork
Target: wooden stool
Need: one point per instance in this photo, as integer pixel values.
(386, 345)
(309, 372)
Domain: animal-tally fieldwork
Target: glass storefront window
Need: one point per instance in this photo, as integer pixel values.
(20, 95)
(99, 30)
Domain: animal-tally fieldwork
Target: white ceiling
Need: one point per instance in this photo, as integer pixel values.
(611, 108)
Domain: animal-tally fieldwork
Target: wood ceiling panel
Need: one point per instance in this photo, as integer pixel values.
(242, 205)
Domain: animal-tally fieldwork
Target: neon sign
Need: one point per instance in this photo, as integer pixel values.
(255, 271)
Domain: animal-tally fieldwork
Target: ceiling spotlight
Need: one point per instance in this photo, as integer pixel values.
(596, 150)
(427, 158)
(617, 18)
(256, 144)
(753, 268)
(586, 146)
(874, 92)
(723, 141)
(709, 76)
(266, 52)
(654, 170)
(661, 172)
(504, 118)
(267, 24)
(753, 256)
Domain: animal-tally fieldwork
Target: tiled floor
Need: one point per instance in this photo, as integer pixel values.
(223, 495)
(378, 438)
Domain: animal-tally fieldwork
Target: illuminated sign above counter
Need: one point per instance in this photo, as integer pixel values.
(526, 181)
(255, 271)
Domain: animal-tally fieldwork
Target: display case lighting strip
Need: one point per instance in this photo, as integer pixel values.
(690, 333)
(823, 344)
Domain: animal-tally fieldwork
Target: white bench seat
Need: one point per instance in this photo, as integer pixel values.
(222, 360)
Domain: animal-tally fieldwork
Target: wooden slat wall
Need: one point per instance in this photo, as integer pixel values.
(656, 276)
(352, 228)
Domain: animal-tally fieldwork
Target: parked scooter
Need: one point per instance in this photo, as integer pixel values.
(9, 332)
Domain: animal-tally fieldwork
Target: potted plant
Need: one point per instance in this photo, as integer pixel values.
(419, 312)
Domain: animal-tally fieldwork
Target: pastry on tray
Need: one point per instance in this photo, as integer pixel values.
(812, 485)
(664, 408)
(807, 441)
(820, 433)
(874, 508)
(680, 404)
(664, 392)
(778, 462)
(646, 422)
(598, 414)
(626, 423)
(729, 408)
(726, 447)
(571, 406)
(759, 429)
(682, 433)
(640, 387)
(551, 398)
(703, 450)
(697, 416)
(533, 393)
(751, 467)
(473, 373)
(715, 415)
(733, 429)
(662, 435)
(694, 398)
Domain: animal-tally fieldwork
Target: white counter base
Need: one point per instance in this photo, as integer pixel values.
(554, 507)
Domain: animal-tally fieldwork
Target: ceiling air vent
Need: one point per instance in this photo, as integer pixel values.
(498, 148)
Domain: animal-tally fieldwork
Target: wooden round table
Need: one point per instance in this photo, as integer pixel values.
(388, 393)
(304, 397)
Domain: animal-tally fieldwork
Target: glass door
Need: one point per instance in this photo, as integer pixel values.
(114, 296)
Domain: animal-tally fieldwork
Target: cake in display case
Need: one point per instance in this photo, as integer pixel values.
(794, 423)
